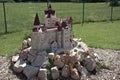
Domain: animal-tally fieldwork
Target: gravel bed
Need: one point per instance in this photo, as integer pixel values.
(110, 57)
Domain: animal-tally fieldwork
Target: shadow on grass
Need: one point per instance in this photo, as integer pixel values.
(10, 32)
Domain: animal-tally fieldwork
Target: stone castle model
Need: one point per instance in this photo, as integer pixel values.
(53, 34)
(52, 53)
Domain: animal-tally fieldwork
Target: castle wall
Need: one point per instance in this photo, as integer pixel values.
(59, 39)
(43, 40)
(35, 41)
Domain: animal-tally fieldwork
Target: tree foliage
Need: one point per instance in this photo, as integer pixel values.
(114, 3)
(61, 0)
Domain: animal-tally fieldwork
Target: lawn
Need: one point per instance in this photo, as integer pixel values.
(100, 35)
(20, 17)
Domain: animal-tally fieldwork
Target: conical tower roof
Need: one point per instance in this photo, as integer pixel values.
(36, 21)
(49, 11)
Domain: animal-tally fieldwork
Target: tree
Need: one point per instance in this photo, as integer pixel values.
(114, 3)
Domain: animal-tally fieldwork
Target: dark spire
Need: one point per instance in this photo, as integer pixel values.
(36, 21)
(49, 11)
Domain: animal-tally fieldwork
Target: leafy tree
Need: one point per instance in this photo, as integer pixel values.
(114, 3)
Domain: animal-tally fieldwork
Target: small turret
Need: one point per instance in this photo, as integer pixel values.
(49, 11)
(36, 23)
(50, 17)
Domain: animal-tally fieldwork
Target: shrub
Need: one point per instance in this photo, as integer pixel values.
(49, 66)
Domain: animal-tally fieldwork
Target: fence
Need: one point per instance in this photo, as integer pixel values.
(20, 16)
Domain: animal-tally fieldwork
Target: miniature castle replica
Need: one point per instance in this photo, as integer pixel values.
(53, 34)
(52, 53)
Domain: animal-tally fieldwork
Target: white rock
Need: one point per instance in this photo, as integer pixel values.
(55, 73)
(29, 41)
(90, 64)
(74, 74)
(19, 66)
(65, 71)
(24, 44)
(42, 75)
(58, 63)
(28, 49)
(80, 50)
(83, 46)
(74, 57)
(51, 56)
(15, 58)
(97, 57)
(30, 72)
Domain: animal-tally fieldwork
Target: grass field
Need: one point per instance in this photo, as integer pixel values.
(20, 17)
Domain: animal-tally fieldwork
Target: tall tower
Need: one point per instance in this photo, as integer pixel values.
(66, 38)
(50, 17)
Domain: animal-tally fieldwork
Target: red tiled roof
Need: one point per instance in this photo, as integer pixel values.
(36, 21)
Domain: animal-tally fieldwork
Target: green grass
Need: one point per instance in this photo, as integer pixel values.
(99, 35)
(20, 17)
(11, 42)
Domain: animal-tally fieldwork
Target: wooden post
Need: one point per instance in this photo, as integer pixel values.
(4, 12)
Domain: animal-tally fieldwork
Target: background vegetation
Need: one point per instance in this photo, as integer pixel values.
(59, 0)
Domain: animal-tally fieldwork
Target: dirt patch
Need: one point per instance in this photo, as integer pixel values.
(110, 57)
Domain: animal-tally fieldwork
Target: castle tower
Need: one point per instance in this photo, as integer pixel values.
(50, 17)
(36, 34)
(66, 38)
